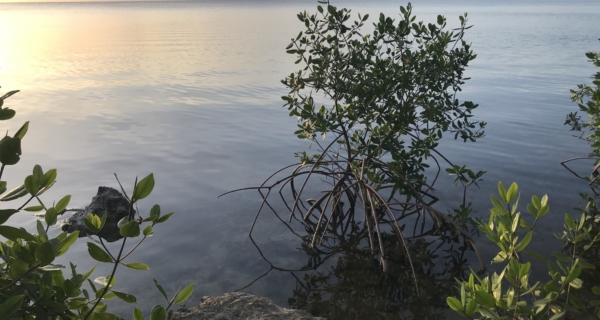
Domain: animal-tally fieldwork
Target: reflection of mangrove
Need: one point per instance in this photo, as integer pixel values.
(364, 204)
(352, 285)
(358, 265)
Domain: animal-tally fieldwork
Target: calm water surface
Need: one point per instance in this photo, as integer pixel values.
(190, 91)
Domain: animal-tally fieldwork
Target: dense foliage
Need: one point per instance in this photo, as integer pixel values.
(511, 294)
(31, 285)
(587, 98)
(385, 98)
(565, 294)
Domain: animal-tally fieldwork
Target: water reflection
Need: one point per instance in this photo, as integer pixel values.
(343, 278)
(353, 286)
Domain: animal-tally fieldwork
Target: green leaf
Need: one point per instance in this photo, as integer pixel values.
(541, 302)
(500, 257)
(543, 210)
(97, 253)
(103, 281)
(158, 313)
(569, 222)
(38, 173)
(502, 192)
(576, 283)
(15, 193)
(6, 114)
(185, 293)
(498, 205)
(9, 307)
(596, 290)
(10, 150)
(524, 242)
(125, 297)
(536, 202)
(586, 265)
(137, 266)
(49, 178)
(544, 200)
(92, 222)
(455, 305)
(122, 222)
(34, 208)
(131, 229)
(45, 253)
(41, 231)
(160, 288)
(31, 185)
(144, 187)
(13, 233)
(510, 295)
(331, 9)
(557, 316)
(489, 313)
(165, 217)
(102, 221)
(63, 203)
(5, 214)
(2, 186)
(147, 231)
(86, 275)
(515, 222)
(154, 213)
(485, 299)
(137, 314)
(18, 268)
(573, 273)
(22, 131)
(471, 307)
(512, 192)
(64, 245)
(51, 216)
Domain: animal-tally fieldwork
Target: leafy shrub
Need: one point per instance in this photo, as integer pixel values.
(388, 97)
(31, 286)
(511, 294)
(375, 106)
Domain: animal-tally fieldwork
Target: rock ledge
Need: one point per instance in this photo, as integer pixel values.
(238, 305)
(107, 200)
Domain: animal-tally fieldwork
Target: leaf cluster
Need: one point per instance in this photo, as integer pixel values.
(391, 92)
(511, 294)
(587, 98)
(32, 285)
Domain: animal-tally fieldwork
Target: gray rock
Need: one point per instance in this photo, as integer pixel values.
(106, 200)
(242, 306)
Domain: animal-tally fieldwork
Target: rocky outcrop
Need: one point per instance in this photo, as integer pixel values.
(106, 200)
(242, 306)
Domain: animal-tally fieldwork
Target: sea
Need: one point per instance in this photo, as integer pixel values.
(190, 91)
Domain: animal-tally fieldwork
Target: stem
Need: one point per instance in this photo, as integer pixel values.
(24, 204)
(105, 248)
(116, 264)
(135, 247)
